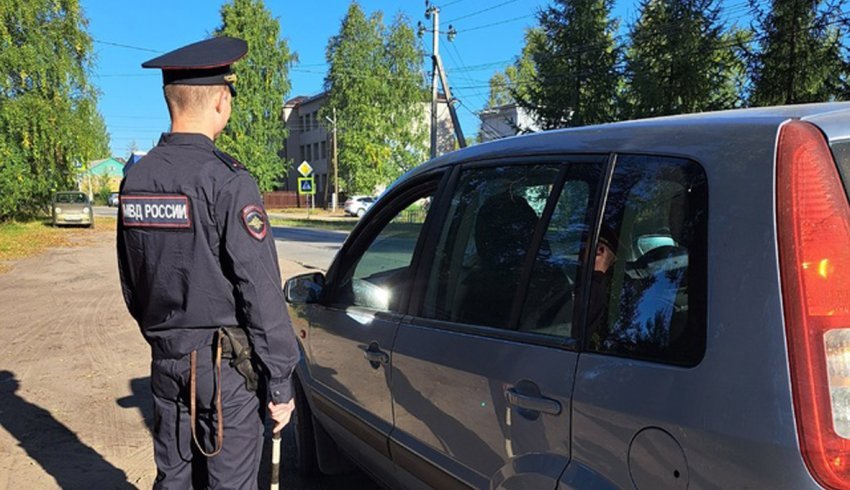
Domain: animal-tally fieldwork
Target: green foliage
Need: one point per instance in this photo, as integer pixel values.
(681, 60)
(375, 84)
(575, 58)
(49, 123)
(800, 57)
(104, 188)
(255, 133)
(500, 93)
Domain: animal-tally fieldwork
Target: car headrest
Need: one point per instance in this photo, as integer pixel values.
(504, 228)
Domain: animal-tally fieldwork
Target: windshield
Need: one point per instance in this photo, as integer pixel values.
(71, 198)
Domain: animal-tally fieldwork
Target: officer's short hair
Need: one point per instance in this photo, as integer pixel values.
(190, 98)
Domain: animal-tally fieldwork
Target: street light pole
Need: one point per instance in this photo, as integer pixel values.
(335, 195)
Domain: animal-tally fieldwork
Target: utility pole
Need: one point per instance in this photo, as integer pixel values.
(434, 13)
(335, 195)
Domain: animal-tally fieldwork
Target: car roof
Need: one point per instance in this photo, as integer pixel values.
(688, 135)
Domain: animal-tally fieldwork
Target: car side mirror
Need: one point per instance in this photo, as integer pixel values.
(304, 288)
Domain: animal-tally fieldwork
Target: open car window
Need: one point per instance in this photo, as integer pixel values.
(379, 277)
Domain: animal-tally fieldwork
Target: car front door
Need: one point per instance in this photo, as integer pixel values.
(351, 331)
(483, 369)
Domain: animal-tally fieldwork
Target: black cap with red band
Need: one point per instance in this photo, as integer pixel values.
(202, 63)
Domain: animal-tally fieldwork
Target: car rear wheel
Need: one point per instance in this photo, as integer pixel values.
(305, 437)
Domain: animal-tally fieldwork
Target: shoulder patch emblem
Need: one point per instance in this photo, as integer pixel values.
(254, 220)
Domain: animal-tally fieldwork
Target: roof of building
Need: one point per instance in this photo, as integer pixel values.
(110, 166)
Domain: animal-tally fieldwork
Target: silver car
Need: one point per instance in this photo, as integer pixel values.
(650, 304)
(72, 208)
(358, 205)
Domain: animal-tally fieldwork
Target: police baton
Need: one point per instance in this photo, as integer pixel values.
(275, 461)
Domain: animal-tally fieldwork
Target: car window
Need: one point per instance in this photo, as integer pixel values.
(483, 245)
(649, 280)
(549, 303)
(71, 198)
(378, 277)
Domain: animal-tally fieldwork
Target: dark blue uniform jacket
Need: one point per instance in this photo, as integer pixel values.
(196, 252)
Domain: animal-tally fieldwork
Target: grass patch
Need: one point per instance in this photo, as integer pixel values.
(336, 225)
(19, 240)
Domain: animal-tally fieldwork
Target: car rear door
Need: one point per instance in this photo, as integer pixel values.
(637, 391)
(483, 369)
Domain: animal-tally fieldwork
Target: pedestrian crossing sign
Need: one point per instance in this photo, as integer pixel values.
(306, 186)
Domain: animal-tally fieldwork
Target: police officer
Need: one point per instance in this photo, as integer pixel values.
(199, 274)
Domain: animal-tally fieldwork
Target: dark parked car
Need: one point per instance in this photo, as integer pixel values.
(487, 345)
(72, 208)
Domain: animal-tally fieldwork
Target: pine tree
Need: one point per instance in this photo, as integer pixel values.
(49, 123)
(375, 83)
(256, 133)
(680, 60)
(800, 53)
(576, 65)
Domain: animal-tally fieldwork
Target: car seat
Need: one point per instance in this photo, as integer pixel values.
(503, 231)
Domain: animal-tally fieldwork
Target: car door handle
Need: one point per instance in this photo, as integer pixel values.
(533, 403)
(376, 356)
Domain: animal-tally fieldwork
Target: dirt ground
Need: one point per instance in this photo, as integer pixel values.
(74, 374)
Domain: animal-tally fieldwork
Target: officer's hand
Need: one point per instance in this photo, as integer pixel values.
(281, 413)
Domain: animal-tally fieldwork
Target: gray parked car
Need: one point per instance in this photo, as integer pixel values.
(650, 304)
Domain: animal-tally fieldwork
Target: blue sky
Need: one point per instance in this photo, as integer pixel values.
(490, 35)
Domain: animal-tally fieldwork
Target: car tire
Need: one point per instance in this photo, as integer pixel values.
(305, 437)
(361, 212)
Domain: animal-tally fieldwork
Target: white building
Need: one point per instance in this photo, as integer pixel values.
(505, 120)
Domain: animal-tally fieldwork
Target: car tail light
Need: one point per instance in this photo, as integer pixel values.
(813, 221)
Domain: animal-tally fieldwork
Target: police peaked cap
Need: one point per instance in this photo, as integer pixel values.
(202, 63)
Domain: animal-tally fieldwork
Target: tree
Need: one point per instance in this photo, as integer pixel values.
(514, 83)
(500, 92)
(800, 53)
(576, 65)
(256, 132)
(376, 85)
(49, 123)
(680, 60)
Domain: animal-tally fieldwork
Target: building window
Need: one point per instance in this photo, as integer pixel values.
(316, 151)
(301, 127)
(324, 149)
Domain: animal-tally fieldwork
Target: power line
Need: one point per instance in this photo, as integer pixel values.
(492, 24)
(480, 11)
(450, 3)
(127, 46)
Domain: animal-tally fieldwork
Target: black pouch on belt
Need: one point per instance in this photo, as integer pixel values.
(237, 348)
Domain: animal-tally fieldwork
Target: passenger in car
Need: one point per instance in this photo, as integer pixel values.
(600, 283)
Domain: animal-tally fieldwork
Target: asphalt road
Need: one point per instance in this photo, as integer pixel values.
(310, 248)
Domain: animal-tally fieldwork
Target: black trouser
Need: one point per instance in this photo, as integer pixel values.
(237, 464)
